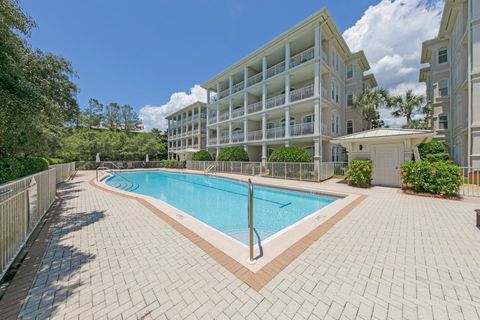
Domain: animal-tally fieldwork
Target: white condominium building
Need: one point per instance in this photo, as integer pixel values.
(187, 131)
(453, 80)
(296, 90)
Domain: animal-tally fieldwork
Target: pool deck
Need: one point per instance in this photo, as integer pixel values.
(104, 256)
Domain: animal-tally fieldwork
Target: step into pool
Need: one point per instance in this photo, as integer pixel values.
(222, 203)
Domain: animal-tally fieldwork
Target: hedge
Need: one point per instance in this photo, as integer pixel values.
(202, 155)
(359, 173)
(442, 178)
(290, 154)
(172, 164)
(14, 168)
(233, 154)
(52, 161)
(433, 151)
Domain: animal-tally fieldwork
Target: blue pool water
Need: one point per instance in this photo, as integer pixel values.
(222, 203)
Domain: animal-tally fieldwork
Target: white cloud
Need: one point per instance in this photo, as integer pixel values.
(391, 34)
(154, 116)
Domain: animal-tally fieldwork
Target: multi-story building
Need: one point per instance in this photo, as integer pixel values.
(453, 80)
(187, 131)
(295, 90)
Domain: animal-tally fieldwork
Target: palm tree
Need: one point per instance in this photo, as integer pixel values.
(369, 101)
(405, 105)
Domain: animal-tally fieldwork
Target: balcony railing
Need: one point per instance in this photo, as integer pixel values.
(223, 116)
(302, 93)
(224, 139)
(302, 129)
(237, 113)
(275, 101)
(254, 135)
(302, 57)
(238, 87)
(324, 56)
(275, 133)
(223, 94)
(276, 69)
(255, 79)
(255, 107)
(212, 142)
(238, 137)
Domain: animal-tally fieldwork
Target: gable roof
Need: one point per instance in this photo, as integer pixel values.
(384, 133)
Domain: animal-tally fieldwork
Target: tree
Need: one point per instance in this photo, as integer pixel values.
(406, 105)
(112, 117)
(420, 124)
(93, 114)
(37, 96)
(129, 118)
(369, 101)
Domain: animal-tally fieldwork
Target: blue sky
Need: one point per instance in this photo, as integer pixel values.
(140, 53)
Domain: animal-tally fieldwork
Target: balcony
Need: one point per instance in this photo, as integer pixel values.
(224, 116)
(224, 139)
(212, 142)
(212, 118)
(302, 129)
(255, 107)
(237, 113)
(275, 133)
(255, 79)
(276, 69)
(254, 135)
(237, 137)
(223, 94)
(325, 93)
(302, 57)
(324, 56)
(238, 87)
(302, 93)
(275, 101)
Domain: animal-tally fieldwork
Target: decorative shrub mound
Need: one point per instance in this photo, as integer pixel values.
(172, 164)
(433, 151)
(440, 178)
(359, 173)
(290, 154)
(52, 161)
(233, 154)
(14, 168)
(202, 155)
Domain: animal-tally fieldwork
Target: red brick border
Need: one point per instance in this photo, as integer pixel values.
(256, 280)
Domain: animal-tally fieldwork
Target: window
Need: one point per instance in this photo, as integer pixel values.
(350, 100)
(270, 125)
(349, 71)
(292, 122)
(349, 126)
(237, 131)
(442, 55)
(335, 122)
(308, 119)
(443, 88)
(443, 121)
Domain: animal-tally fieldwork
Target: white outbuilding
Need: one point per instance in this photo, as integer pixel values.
(387, 148)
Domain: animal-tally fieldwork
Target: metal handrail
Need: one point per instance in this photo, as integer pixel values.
(250, 220)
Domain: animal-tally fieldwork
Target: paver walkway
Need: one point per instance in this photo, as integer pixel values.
(394, 256)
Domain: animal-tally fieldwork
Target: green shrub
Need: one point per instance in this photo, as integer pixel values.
(359, 173)
(441, 178)
(52, 161)
(233, 154)
(290, 154)
(433, 151)
(202, 155)
(172, 164)
(14, 168)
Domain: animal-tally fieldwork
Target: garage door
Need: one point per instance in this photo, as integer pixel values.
(386, 164)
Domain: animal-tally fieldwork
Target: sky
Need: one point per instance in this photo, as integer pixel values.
(154, 54)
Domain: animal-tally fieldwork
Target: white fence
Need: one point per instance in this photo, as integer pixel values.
(63, 171)
(23, 203)
(471, 182)
(306, 171)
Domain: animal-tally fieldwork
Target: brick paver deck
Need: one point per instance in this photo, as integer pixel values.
(394, 256)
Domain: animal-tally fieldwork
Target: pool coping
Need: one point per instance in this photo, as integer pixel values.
(281, 251)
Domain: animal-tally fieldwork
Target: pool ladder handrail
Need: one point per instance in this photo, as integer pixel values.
(113, 164)
(210, 169)
(251, 260)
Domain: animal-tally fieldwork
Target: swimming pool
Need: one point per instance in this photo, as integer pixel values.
(222, 203)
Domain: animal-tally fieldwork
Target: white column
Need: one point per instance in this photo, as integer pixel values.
(218, 112)
(245, 77)
(287, 122)
(287, 143)
(245, 102)
(229, 132)
(264, 67)
(264, 96)
(218, 135)
(318, 120)
(264, 126)
(287, 88)
(208, 137)
(230, 108)
(264, 152)
(208, 96)
(287, 55)
(230, 84)
(245, 129)
(317, 90)
(317, 157)
(217, 153)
